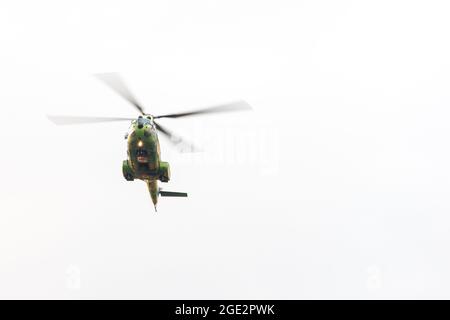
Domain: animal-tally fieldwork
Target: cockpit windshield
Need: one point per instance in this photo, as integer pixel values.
(143, 121)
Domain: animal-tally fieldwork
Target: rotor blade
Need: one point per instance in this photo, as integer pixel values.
(67, 120)
(179, 142)
(116, 83)
(233, 106)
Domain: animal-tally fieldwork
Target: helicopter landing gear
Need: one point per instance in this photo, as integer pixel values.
(127, 172)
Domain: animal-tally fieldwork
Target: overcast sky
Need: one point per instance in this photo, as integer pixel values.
(336, 185)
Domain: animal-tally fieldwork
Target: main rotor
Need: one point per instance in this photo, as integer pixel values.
(116, 83)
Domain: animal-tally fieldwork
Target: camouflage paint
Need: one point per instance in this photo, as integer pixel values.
(144, 156)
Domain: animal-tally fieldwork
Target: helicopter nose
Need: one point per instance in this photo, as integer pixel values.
(142, 155)
(141, 152)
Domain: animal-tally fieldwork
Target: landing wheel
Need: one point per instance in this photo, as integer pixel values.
(127, 172)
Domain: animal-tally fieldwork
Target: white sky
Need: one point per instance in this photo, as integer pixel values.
(335, 186)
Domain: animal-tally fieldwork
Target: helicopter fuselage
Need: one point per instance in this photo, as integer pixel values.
(144, 156)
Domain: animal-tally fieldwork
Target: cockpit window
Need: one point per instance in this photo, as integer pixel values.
(141, 122)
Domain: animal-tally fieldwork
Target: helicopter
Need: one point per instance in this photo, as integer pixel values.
(143, 149)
